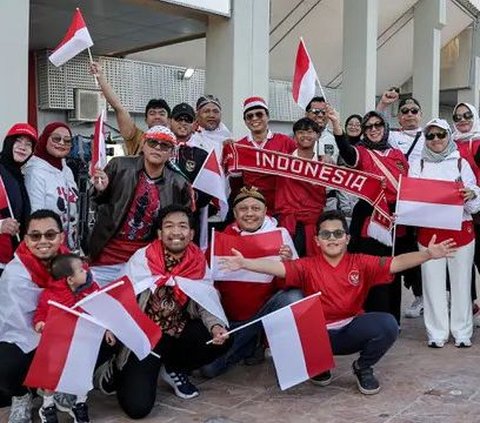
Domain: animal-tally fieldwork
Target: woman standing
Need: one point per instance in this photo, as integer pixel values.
(374, 155)
(49, 181)
(441, 160)
(17, 149)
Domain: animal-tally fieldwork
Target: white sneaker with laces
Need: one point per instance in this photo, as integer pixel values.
(416, 308)
(21, 409)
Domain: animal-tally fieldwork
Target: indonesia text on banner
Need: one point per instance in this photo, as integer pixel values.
(260, 245)
(299, 341)
(65, 358)
(117, 309)
(75, 41)
(430, 203)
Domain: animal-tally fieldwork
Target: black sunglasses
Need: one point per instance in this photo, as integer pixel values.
(440, 135)
(258, 115)
(337, 234)
(49, 235)
(406, 110)
(457, 117)
(163, 146)
(376, 125)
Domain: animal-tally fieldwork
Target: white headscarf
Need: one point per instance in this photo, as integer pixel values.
(474, 132)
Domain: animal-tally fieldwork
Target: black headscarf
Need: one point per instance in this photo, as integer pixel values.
(382, 145)
(356, 139)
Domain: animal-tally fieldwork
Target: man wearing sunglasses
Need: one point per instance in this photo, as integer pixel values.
(256, 117)
(344, 280)
(129, 195)
(22, 281)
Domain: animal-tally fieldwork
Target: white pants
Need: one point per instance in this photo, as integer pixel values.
(103, 275)
(435, 313)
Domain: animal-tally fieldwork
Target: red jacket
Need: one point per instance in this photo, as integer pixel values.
(59, 291)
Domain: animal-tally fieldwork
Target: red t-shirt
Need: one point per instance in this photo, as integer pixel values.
(467, 150)
(267, 183)
(393, 159)
(344, 287)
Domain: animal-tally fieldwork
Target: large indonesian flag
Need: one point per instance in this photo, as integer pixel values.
(252, 245)
(75, 41)
(304, 77)
(99, 150)
(116, 307)
(66, 355)
(430, 203)
(299, 342)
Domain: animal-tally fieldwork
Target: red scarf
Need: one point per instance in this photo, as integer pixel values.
(38, 271)
(192, 266)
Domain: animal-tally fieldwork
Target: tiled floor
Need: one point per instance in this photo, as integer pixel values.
(419, 385)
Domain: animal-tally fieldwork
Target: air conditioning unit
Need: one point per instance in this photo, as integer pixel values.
(88, 105)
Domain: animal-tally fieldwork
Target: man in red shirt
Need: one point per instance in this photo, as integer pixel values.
(256, 117)
(344, 280)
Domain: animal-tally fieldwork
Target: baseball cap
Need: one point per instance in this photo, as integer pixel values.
(183, 109)
(23, 129)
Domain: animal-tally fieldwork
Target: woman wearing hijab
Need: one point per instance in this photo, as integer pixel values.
(353, 128)
(17, 149)
(49, 181)
(373, 154)
(442, 161)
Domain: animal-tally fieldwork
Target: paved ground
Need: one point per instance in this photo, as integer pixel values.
(419, 385)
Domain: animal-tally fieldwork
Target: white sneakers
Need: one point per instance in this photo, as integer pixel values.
(416, 308)
(21, 409)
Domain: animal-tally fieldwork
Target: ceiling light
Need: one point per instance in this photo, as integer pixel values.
(188, 73)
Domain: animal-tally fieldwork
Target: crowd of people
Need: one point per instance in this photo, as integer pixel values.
(148, 214)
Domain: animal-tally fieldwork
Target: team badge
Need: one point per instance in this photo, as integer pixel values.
(354, 277)
(190, 165)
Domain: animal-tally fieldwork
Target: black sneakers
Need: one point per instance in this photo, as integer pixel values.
(105, 377)
(367, 383)
(79, 413)
(180, 383)
(48, 414)
(323, 379)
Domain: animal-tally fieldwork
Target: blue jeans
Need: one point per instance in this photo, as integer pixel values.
(371, 334)
(245, 340)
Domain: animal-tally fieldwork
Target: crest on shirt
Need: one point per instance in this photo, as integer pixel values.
(354, 277)
(190, 165)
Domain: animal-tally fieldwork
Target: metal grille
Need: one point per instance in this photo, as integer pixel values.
(137, 82)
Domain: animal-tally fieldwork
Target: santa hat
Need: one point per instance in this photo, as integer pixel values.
(254, 103)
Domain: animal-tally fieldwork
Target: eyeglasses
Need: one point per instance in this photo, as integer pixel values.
(440, 135)
(406, 110)
(163, 146)
(183, 118)
(57, 139)
(337, 234)
(459, 116)
(318, 112)
(353, 125)
(258, 115)
(376, 125)
(49, 235)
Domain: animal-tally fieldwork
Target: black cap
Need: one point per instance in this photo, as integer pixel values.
(183, 109)
(157, 103)
(408, 101)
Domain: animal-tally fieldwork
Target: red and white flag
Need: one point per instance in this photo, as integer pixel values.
(211, 180)
(4, 203)
(75, 41)
(258, 245)
(304, 77)
(66, 355)
(116, 307)
(299, 342)
(99, 149)
(430, 203)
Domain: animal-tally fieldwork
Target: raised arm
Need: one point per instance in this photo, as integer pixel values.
(434, 251)
(126, 125)
(237, 262)
(347, 152)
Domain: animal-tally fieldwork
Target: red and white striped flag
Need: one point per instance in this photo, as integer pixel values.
(430, 203)
(99, 149)
(116, 307)
(299, 342)
(211, 180)
(257, 245)
(66, 355)
(4, 203)
(75, 41)
(304, 77)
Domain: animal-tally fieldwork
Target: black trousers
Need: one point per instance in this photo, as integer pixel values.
(14, 364)
(137, 385)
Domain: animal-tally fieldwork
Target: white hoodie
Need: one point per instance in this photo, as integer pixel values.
(54, 189)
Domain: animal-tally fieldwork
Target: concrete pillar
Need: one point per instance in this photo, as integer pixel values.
(237, 58)
(471, 94)
(14, 28)
(360, 22)
(429, 19)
